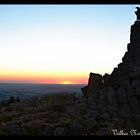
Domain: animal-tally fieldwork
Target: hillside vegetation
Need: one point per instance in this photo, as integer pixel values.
(62, 114)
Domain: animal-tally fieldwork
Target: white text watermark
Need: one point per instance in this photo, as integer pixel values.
(132, 132)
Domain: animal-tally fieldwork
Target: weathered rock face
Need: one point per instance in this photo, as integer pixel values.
(95, 80)
(95, 83)
(119, 92)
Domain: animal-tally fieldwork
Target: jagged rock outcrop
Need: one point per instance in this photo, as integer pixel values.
(118, 94)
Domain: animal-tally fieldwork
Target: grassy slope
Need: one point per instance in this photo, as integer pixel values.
(52, 115)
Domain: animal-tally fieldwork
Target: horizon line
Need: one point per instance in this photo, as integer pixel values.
(44, 83)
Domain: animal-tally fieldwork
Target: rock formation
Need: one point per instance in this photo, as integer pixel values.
(118, 94)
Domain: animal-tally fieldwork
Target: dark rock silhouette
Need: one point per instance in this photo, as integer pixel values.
(94, 83)
(118, 94)
(138, 13)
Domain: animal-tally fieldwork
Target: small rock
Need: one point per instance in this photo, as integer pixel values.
(59, 131)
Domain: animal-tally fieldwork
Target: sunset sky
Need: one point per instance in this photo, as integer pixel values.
(62, 44)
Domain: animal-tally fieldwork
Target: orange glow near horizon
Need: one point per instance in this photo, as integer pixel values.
(66, 82)
(42, 77)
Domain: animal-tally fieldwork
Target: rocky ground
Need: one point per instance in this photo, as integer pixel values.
(62, 114)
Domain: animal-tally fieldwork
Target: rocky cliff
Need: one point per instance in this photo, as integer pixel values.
(118, 94)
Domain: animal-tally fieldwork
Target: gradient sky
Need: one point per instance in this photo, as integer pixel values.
(62, 43)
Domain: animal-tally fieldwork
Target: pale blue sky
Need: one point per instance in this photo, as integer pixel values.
(64, 38)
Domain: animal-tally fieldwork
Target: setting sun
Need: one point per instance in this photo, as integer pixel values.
(66, 82)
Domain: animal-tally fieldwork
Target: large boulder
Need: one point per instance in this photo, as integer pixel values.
(95, 82)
